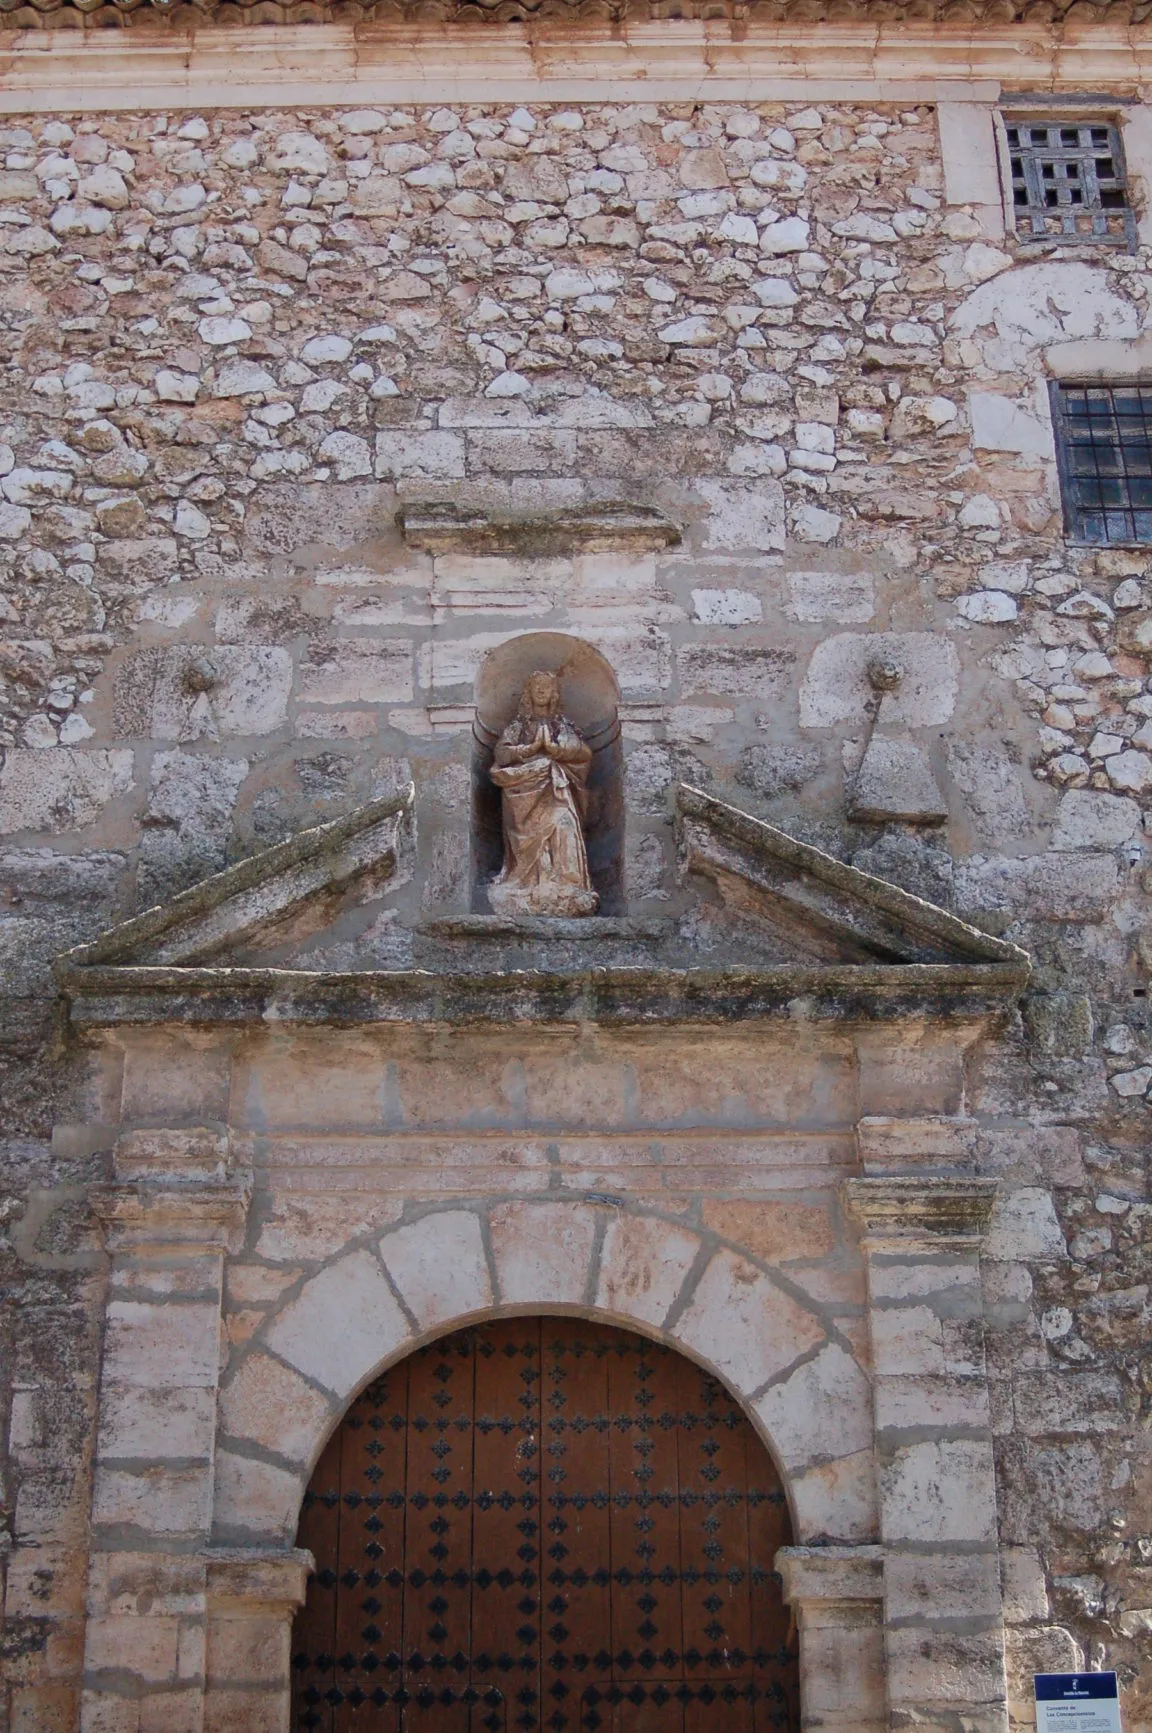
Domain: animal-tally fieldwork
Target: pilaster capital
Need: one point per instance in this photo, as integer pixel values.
(182, 1155)
(833, 1584)
(151, 1217)
(252, 1581)
(898, 1212)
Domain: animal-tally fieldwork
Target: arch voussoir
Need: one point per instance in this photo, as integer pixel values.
(439, 1267)
(543, 1252)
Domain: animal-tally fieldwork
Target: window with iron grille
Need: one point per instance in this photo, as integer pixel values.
(1069, 183)
(1104, 451)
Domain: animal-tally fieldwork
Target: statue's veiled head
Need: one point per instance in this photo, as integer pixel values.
(541, 694)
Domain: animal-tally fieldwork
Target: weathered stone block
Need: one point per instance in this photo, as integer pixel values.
(643, 1266)
(542, 1252)
(743, 1324)
(60, 790)
(354, 1289)
(439, 1266)
(357, 671)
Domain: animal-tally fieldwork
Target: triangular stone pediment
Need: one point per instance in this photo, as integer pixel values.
(769, 921)
(283, 895)
(827, 909)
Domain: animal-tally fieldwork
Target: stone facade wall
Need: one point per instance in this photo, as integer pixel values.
(237, 344)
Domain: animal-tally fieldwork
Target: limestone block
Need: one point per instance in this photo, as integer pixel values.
(142, 1645)
(357, 671)
(542, 1252)
(255, 1498)
(1068, 1401)
(895, 784)
(836, 686)
(968, 154)
(846, 597)
(181, 694)
(447, 662)
(989, 777)
(823, 1410)
(421, 456)
(837, 1501)
(1090, 819)
(59, 790)
(726, 608)
(942, 1586)
(1024, 1585)
(741, 1323)
(743, 519)
(1025, 1227)
(138, 564)
(1038, 1649)
(999, 424)
(1053, 887)
(643, 1266)
(942, 1403)
(157, 1500)
(439, 1267)
(934, 1668)
(939, 1491)
(268, 1403)
(907, 1340)
(343, 1324)
(171, 1346)
(735, 670)
(777, 1231)
(187, 821)
(144, 1423)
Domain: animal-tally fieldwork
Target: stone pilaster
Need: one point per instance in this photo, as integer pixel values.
(836, 1595)
(251, 1597)
(175, 1207)
(943, 1621)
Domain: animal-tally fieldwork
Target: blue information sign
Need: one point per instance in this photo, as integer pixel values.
(1077, 1703)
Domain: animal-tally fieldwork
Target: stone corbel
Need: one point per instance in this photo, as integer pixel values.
(836, 1593)
(251, 1598)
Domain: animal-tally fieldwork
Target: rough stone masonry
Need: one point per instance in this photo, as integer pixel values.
(236, 344)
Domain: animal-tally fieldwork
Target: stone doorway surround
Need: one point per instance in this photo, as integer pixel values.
(859, 1361)
(902, 1626)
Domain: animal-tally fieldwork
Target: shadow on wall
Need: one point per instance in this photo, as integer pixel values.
(589, 697)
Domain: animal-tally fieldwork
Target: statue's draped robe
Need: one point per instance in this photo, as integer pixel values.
(545, 857)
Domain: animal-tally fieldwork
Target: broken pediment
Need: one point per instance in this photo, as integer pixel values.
(769, 926)
(282, 895)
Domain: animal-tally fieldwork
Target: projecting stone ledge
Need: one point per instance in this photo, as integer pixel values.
(448, 529)
(919, 1207)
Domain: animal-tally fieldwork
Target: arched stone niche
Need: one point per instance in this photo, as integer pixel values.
(590, 697)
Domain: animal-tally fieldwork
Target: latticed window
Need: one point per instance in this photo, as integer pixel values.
(1104, 448)
(1069, 182)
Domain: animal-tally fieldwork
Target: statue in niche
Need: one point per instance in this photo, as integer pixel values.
(541, 766)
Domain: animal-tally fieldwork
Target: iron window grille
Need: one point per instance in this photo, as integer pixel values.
(1069, 183)
(1104, 453)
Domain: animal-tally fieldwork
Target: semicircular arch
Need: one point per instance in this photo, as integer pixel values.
(781, 1358)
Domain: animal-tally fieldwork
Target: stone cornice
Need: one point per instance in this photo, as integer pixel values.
(739, 14)
(637, 997)
(312, 56)
(935, 1211)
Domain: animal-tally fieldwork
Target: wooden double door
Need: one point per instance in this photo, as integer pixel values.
(544, 1525)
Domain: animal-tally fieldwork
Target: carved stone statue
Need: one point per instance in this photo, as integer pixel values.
(541, 766)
